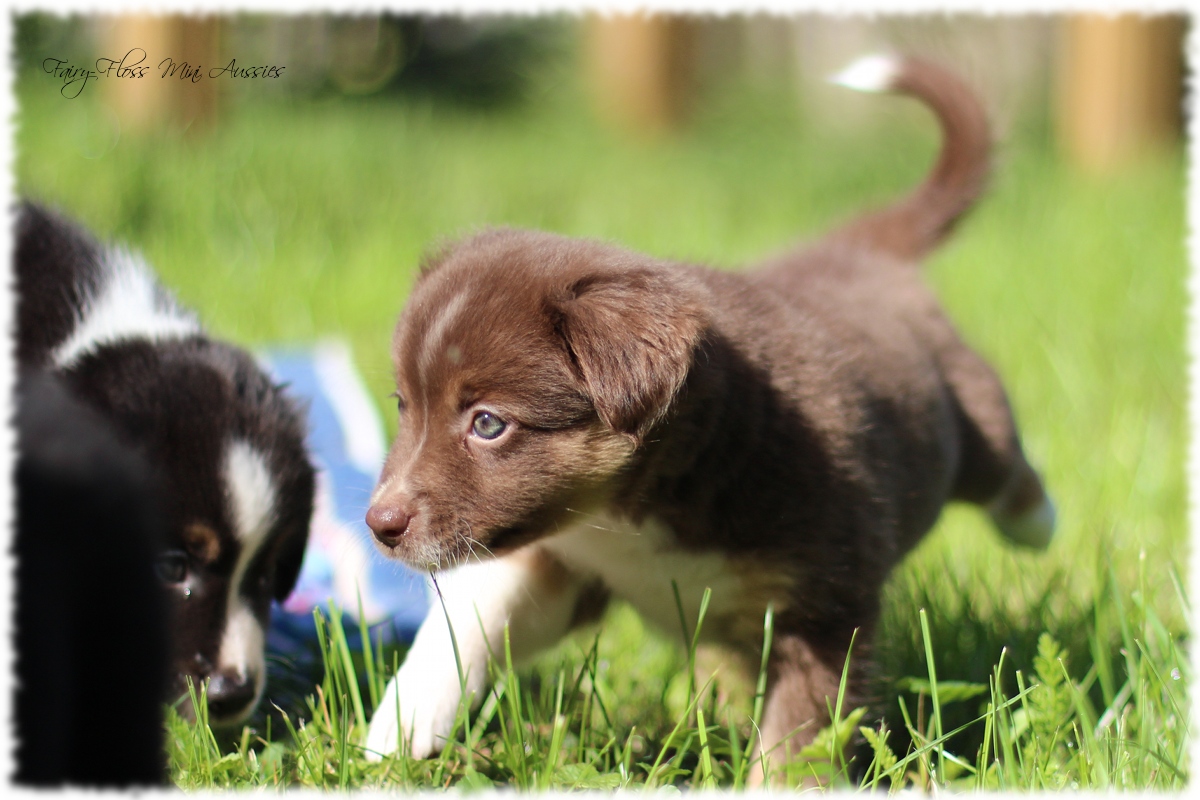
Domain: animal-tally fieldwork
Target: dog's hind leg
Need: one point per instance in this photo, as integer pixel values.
(993, 471)
(528, 591)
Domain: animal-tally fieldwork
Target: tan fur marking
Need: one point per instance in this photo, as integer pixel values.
(762, 585)
(603, 452)
(202, 542)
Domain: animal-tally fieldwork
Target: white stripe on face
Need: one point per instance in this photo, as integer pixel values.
(251, 493)
(251, 496)
(242, 645)
(128, 305)
(382, 488)
(433, 345)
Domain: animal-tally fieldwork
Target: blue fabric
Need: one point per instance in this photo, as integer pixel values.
(341, 563)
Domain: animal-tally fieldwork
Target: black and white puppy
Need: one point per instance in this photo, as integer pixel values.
(226, 443)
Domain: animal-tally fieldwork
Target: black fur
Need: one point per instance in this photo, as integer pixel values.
(91, 622)
(179, 401)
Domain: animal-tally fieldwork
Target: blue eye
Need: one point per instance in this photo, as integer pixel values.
(171, 567)
(487, 425)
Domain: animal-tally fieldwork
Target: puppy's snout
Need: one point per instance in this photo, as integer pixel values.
(388, 523)
(229, 695)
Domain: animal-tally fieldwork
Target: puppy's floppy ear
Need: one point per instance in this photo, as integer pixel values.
(287, 566)
(298, 519)
(631, 336)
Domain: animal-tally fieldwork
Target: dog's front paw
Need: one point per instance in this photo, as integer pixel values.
(414, 713)
(383, 735)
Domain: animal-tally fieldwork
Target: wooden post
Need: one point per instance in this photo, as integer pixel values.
(1120, 87)
(140, 103)
(147, 103)
(195, 104)
(640, 69)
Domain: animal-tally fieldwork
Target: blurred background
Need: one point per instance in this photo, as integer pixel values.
(296, 208)
(697, 137)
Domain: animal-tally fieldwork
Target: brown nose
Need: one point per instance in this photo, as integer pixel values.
(388, 523)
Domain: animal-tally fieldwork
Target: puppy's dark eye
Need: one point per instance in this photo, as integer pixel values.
(171, 567)
(487, 425)
(400, 404)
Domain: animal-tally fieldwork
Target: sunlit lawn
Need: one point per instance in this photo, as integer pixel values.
(298, 220)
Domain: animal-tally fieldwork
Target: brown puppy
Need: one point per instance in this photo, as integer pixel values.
(578, 422)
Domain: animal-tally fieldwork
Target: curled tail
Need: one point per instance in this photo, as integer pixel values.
(916, 224)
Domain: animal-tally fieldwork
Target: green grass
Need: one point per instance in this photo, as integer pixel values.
(560, 726)
(299, 220)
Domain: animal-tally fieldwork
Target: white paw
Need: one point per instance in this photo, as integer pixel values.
(415, 711)
(383, 734)
(421, 704)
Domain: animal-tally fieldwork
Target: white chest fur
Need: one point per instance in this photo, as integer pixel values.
(641, 564)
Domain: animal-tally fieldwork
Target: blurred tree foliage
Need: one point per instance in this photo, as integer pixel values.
(474, 61)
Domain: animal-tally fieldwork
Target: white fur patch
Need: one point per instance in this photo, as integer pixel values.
(639, 565)
(434, 337)
(537, 602)
(242, 643)
(382, 487)
(128, 305)
(874, 73)
(250, 494)
(422, 700)
(1033, 529)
